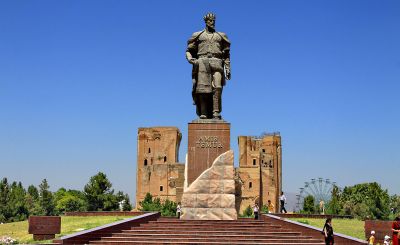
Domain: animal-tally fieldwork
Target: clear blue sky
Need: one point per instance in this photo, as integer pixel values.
(77, 78)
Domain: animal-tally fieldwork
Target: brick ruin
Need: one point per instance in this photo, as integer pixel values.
(260, 170)
(158, 170)
(258, 177)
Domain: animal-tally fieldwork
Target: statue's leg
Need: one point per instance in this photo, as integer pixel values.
(203, 105)
(217, 93)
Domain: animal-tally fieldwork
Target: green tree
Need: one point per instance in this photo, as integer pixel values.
(99, 195)
(248, 212)
(4, 196)
(166, 208)
(309, 205)
(126, 203)
(32, 200)
(366, 201)
(17, 207)
(33, 192)
(395, 206)
(148, 204)
(46, 202)
(69, 201)
(334, 206)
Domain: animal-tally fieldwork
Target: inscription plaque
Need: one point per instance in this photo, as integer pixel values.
(206, 142)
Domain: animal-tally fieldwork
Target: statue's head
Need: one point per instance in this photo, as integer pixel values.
(209, 18)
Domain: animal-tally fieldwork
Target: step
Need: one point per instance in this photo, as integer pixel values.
(204, 235)
(227, 232)
(200, 226)
(238, 229)
(212, 242)
(211, 221)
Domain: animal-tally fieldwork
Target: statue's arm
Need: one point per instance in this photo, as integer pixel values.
(226, 48)
(190, 58)
(192, 48)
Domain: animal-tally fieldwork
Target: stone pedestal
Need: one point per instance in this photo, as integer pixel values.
(212, 195)
(207, 140)
(44, 227)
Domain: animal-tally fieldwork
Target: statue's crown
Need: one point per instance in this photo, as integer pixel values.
(209, 16)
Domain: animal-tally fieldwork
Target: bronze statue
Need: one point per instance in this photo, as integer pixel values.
(208, 52)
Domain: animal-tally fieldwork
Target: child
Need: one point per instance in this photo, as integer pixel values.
(371, 239)
(271, 207)
(386, 241)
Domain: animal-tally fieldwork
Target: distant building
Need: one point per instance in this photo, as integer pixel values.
(259, 175)
(260, 170)
(158, 170)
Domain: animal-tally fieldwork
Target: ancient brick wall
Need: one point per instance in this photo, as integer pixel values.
(260, 163)
(158, 170)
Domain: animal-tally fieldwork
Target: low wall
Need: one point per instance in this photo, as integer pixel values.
(105, 213)
(381, 229)
(97, 233)
(313, 231)
(313, 216)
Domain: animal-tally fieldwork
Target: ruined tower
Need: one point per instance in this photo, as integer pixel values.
(158, 170)
(260, 170)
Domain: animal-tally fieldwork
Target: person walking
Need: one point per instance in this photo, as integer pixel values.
(255, 211)
(179, 210)
(396, 231)
(328, 232)
(282, 200)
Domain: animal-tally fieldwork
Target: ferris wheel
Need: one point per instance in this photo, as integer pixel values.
(320, 189)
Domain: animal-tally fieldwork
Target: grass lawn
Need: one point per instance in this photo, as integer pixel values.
(69, 224)
(350, 227)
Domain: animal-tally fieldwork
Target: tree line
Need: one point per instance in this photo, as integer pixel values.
(362, 201)
(18, 203)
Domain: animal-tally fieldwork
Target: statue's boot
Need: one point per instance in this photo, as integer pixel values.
(217, 103)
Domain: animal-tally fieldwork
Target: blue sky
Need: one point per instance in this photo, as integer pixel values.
(77, 79)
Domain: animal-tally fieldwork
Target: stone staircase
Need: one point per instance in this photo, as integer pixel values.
(241, 231)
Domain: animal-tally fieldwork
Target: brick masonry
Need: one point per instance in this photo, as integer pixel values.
(381, 229)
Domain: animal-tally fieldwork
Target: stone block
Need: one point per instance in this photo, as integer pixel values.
(202, 201)
(229, 172)
(214, 214)
(229, 214)
(227, 201)
(214, 200)
(44, 227)
(199, 186)
(189, 200)
(216, 186)
(188, 213)
(229, 186)
(216, 172)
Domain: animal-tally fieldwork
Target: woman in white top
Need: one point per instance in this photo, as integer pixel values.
(179, 210)
(255, 211)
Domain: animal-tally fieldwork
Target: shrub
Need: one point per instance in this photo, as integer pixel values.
(248, 212)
